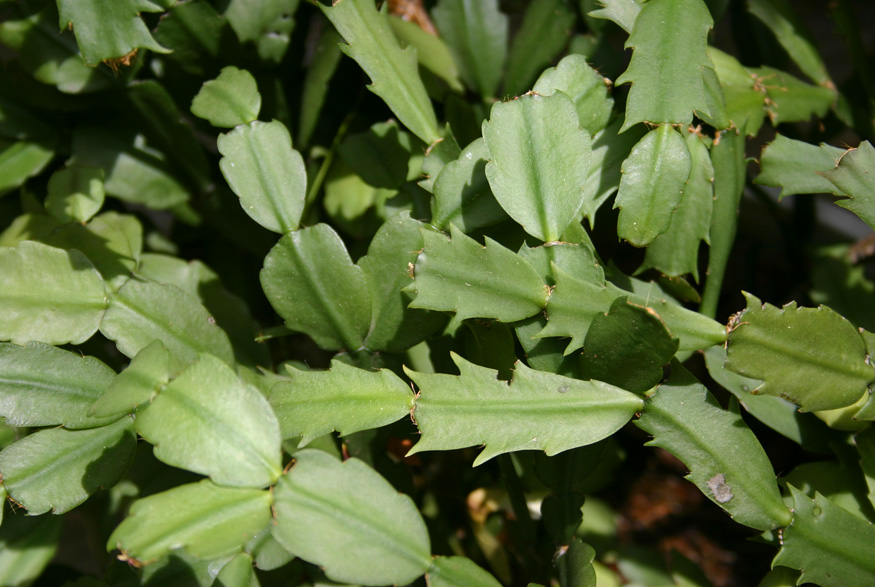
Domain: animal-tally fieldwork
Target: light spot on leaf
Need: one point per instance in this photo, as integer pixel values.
(719, 488)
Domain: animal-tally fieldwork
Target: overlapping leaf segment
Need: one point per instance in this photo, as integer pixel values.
(596, 340)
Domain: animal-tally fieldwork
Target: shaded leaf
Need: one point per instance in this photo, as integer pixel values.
(57, 469)
(458, 571)
(142, 312)
(41, 385)
(458, 275)
(196, 34)
(475, 409)
(781, 19)
(841, 482)
(75, 193)
(609, 151)
(676, 251)
(432, 52)
(208, 421)
(627, 347)
(852, 176)
(395, 327)
(586, 88)
(346, 518)
(206, 520)
(378, 155)
(22, 160)
(345, 398)
(27, 545)
(670, 39)
(48, 295)
(133, 173)
(393, 71)
(824, 542)
(266, 23)
(725, 459)
(111, 241)
(106, 32)
(812, 357)
(546, 28)
(312, 283)
(147, 373)
(652, 185)
(476, 34)
(775, 412)
(237, 572)
(268, 176)
(326, 58)
(462, 195)
(796, 166)
(229, 100)
(267, 552)
(539, 159)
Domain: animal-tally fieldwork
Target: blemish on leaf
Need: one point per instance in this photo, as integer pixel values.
(719, 488)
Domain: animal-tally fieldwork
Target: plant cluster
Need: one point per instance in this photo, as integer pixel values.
(443, 292)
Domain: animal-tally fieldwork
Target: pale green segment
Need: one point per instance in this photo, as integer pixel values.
(476, 34)
(796, 167)
(778, 414)
(57, 469)
(111, 241)
(208, 421)
(461, 192)
(268, 23)
(546, 28)
(622, 12)
(459, 275)
(791, 99)
(539, 161)
(144, 311)
(587, 89)
(75, 193)
(535, 411)
(266, 173)
(395, 327)
(676, 251)
(239, 571)
(28, 547)
(346, 518)
(311, 282)
(393, 71)
(346, 399)
(828, 544)
(781, 19)
(745, 103)
(48, 295)
(21, 160)
(267, 552)
(670, 38)
(229, 100)
(812, 357)
(431, 51)
(206, 520)
(652, 186)
(108, 30)
(41, 385)
(853, 176)
(148, 372)
(458, 571)
(725, 459)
